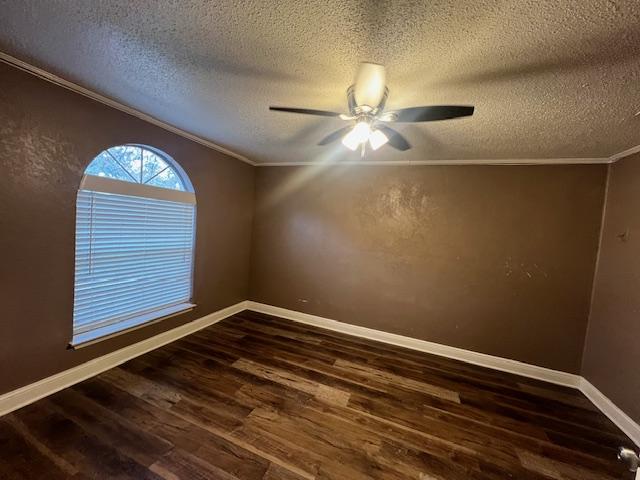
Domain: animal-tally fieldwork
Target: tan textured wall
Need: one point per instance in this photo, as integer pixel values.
(612, 349)
(495, 259)
(47, 137)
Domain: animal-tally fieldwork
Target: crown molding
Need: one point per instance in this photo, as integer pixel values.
(486, 161)
(61, 82)
(50, 77)
(625, 153)
(498, 161)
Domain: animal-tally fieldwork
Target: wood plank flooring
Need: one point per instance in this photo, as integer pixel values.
(258, 397)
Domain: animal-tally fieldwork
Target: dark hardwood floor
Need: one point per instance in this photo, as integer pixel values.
(258, 397)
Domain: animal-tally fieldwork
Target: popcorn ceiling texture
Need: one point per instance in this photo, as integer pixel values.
(549, 79)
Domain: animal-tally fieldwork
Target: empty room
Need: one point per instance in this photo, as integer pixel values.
(318, 240)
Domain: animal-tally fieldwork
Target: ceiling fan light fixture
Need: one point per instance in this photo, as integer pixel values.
(377, 139)
(359, 135)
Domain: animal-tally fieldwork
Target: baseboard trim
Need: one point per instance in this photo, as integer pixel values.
(468, 356)
(30, 393)
(611, 410)
(615, 414)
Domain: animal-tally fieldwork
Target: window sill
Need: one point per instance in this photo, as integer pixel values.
(103, 333)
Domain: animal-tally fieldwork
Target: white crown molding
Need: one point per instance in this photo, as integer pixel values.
(486, 161)
(625, 153)
(606, 406)
(30, 393)
(50, 77)
(468, 356)
(61, 82)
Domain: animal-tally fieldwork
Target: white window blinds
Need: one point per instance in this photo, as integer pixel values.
(134, 256)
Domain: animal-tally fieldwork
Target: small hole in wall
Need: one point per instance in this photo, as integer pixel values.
(624, 236)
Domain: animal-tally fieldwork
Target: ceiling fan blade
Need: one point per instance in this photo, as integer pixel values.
(305, 111)
(396, 140)
(332, 137)
(370, 84)
(433, 113)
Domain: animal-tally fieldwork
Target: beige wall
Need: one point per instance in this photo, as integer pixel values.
(495, 259)
(612, 350)
(48, 135)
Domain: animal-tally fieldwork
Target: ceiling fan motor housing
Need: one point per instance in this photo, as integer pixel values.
(356, 110)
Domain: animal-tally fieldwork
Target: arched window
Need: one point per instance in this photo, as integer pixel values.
(135, 232)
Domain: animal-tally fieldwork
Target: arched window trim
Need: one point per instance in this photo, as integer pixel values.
(96, 186)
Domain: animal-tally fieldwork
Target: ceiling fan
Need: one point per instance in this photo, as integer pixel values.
(366, 99)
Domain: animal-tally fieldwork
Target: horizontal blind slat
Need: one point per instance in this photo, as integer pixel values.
(97, 292)
(103, 263)
(84, 273)
(134, 302)
(113, 320)
(110, 285)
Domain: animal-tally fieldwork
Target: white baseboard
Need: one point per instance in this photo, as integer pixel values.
(30, 393)
(468, 356)
(611, 410)
(617, 416)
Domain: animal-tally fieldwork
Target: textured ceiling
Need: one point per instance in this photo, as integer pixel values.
(549, 79)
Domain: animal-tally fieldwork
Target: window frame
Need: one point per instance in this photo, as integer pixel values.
(110, 185)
